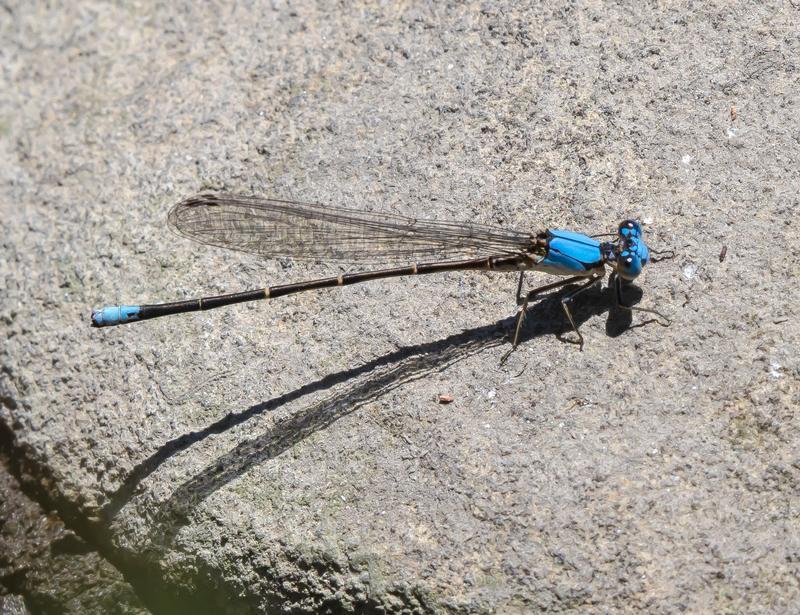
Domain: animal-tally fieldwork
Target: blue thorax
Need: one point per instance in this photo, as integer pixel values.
(570, 253)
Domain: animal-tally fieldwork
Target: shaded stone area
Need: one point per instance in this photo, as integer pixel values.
(12, 604)
(46, 568)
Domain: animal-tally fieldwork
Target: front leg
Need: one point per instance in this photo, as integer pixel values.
(618, 294)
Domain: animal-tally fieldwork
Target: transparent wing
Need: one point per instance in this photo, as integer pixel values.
(274, 228)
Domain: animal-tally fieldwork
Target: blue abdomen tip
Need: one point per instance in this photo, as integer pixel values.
(115, 315)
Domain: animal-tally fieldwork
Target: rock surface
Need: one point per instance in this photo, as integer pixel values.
(44, 565)
(292, 456)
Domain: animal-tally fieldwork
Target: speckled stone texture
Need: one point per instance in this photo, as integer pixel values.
(290, 456)
(47, 567)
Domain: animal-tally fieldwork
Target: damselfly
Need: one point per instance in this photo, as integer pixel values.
(275, 228)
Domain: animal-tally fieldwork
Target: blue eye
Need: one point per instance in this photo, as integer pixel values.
(633, 254)
(629, 265)
(630, 228)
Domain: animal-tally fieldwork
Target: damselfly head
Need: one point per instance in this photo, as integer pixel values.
(632, 254)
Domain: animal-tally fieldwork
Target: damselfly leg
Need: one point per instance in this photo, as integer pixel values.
(565, 305)
(661, 255)
(631, 308)
(523, 303)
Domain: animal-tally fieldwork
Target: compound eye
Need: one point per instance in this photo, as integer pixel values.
(629, 266)
(628, 228)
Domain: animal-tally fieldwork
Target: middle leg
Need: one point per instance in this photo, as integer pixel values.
(523, 303)
(568, 299)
